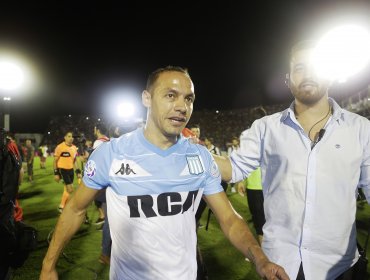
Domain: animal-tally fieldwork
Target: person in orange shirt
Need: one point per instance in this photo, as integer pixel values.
(64, 165)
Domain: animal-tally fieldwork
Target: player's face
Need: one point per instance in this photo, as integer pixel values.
(196, 131)
(304, 83)
(68, 138)
(171, 103)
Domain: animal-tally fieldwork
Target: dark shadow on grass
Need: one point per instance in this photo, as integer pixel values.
(39, 182)
(25, 195)
(42, 215)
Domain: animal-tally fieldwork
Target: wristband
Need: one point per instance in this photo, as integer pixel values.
(78, 171)
(56, 171)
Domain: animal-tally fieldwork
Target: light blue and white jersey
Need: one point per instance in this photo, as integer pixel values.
(152, 198)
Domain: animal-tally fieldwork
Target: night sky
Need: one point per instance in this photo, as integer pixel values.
(236, 53)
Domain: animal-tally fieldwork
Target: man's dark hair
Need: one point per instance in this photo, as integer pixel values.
(102, 127)
(65, 131)
(194, 126)
(302, 45)
(210, 139)
(154, 75)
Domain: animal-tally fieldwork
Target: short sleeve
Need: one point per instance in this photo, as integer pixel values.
(212, 183)
(57, 151)
(96, 171)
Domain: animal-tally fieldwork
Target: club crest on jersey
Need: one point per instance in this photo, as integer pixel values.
(90, 168)
(194, 164)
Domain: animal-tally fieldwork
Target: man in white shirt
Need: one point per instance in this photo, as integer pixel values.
(313, 157)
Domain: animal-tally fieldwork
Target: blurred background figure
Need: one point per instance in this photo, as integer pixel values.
(252, 187)
(43, 155)
(233, 146)
(29, 158)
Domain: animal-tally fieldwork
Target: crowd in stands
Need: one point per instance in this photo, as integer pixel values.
(221, 125)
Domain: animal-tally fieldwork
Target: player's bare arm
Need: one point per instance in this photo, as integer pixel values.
(55, 167)
(69, 222)
(237, 231)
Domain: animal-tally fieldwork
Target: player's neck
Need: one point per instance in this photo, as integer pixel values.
(158, 139)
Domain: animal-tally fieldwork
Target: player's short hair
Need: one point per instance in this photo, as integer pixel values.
(155, 74)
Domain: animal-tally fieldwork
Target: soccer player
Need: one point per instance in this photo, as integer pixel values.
(154, 180)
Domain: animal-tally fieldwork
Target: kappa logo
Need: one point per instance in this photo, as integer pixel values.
(194, 164)
(125, 169)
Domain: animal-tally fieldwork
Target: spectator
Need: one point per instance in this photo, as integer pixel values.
(29, 158)
(43, 155)
(234, 145)
(100, 131)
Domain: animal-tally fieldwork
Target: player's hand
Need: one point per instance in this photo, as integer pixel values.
(270, 271)
(57, 178)
(241, 188)
(49, 274)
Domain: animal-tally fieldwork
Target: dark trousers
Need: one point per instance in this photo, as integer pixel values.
(255, 203)
(347, 275)
(5, 272)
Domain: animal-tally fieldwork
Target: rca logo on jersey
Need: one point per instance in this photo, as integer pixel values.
(165, 204)
(65, 154)
(194, 164)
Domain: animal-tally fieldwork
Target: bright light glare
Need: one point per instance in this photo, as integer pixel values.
(12, 76)
(125, 110)
(342, 52)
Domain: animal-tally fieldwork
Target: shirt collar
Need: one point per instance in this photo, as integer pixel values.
(338, 112)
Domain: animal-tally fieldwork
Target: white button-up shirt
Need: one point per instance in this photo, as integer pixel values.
(310, 194)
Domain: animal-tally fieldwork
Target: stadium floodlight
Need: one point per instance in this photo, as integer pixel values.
(342, 52)
(125, 110)
(15, 77)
